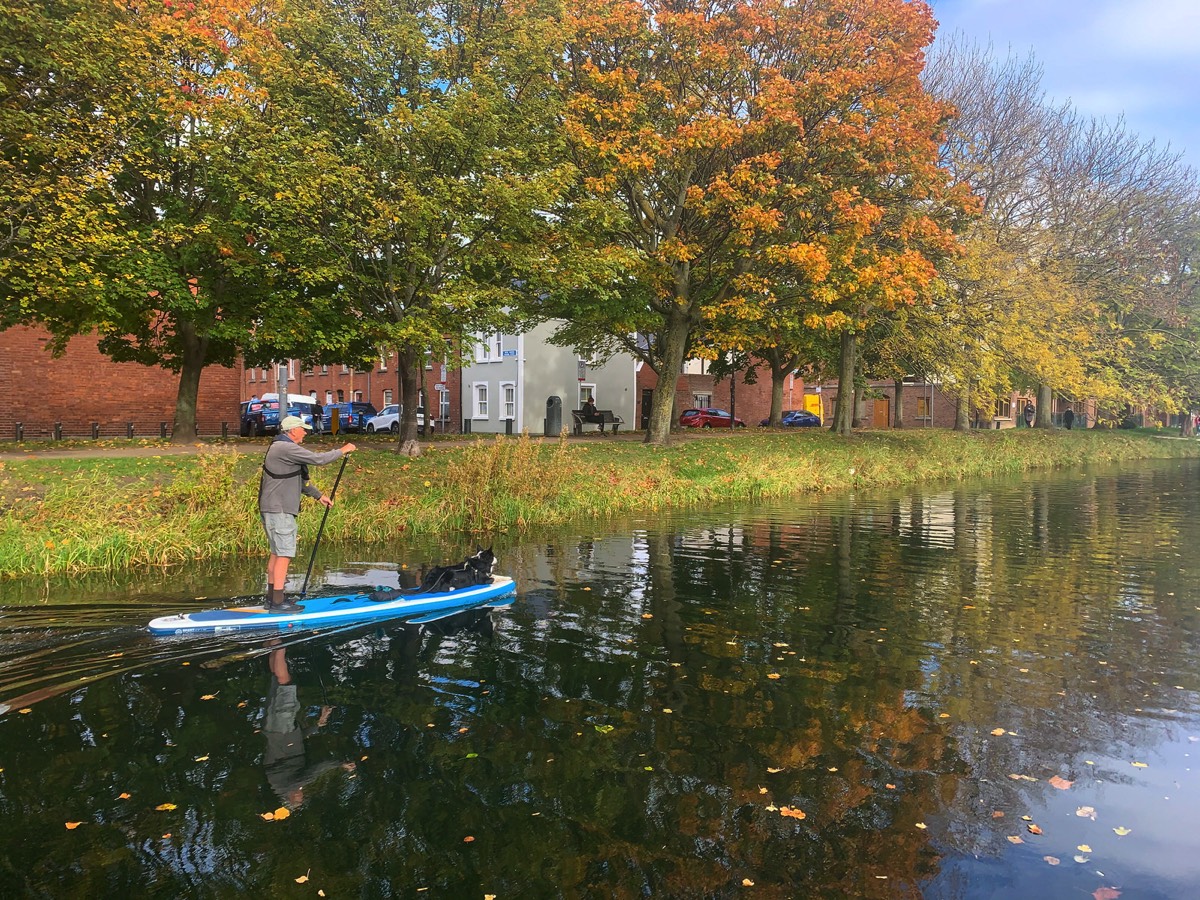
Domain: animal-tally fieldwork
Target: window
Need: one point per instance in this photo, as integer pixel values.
(487, 348)
(1004, 408)
(387, 398)
(328, 397)
(383, 360)
(444, 405)
(341, 396)
(253, 374)
(324, 370)
(480, 393)
(428, 359)
(702, 401)
(291, 366)
(509, 391)
(695, 367)
(345, 369)
(358, 396)
(586, 392)
(922, 407)
(497, 349)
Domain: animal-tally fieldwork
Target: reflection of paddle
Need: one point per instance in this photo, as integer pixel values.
(321, 530)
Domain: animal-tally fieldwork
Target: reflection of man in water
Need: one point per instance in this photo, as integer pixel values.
(286, 763)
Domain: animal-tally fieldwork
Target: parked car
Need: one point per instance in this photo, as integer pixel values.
(389, 419)
(709, 418)
(796, 418)
(261, 415)
(353, 415)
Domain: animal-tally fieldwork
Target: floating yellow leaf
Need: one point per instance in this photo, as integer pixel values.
(668, 709)
(1086, 812)
(746, 882)
(943, 715)
(1015, 839)
(71, 826)
(997, 731)
(282, 813)
(922, 825)
(647, 615)
(468, 839)
(1084, 848)
(1034, 829)
(207, 696)
(1053, 860)
(242, 705)
(270, 817)
(122, 796)
(303, 878)
(997, 814)
(762, 790)
(202, 758)
(26, 711)
(791, 813)
(1139, 765)
(773, 771)
(1061, 783)
(774, 676)
(1121, 830)
(165, 807)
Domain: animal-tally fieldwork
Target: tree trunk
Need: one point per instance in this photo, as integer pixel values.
(195, 349)
(898, 415)
(662, 412)
(407, 360)
(1187, 425)
(777, 380)
(962, 412)
(1044, 414)
(843, 415)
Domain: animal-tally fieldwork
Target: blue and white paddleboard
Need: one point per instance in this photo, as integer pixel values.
(342, 609)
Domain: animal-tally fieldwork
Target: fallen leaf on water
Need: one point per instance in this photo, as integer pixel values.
(71, 826)
(647, 615)
(997, 731)
(997, 814)
(773, 676)
(603, 729)
(1026, 818)
(1034, 829)
(890, 787)
(1058, 782)
(1084, 848)
(26, 711)
(208, 696)
(1086, 812)
(242, 705)
(1053, 860)
(668, 709)
(463, 730)
(122, 796)
(281, 813)
(1080, 859)
(1015, 839)
(922, 825)
(1121, 830)
(772, 808)
(762, 790)
(1106, 893)
(270, 817)
(303, 878)
(322, 894)
(468, 839)
(1139, 765)
(165, 807)
(943, 715)
(791, 813)
(773, 771)
(201, 759)
(746, 882)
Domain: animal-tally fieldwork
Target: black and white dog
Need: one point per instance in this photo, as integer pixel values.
(472, 571)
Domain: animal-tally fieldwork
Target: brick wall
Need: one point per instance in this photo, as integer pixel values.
(753, 400)
(85, 386)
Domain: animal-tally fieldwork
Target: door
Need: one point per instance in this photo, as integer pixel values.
(881, 417)
(647, 405)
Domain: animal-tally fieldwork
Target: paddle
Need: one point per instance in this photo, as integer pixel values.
(321, 530)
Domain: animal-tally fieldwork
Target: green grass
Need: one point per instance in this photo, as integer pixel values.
(107, 513)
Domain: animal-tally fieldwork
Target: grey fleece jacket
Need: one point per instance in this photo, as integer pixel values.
(284, 475)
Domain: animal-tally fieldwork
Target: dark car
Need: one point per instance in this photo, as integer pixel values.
(261, 416)
(352, 415)
(796, 418)
(709, 418)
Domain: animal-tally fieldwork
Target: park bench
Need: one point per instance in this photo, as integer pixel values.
(607, 418)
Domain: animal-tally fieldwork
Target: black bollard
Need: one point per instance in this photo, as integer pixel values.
(20, 431)
(58, 431)
(129, 429)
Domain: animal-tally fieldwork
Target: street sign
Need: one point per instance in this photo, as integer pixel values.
(508, 353)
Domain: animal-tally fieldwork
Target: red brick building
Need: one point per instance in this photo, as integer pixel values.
(85, 389)
(696, 389)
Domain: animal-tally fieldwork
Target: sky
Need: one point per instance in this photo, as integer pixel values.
(1140, 58)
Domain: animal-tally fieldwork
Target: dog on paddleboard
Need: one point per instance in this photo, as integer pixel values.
(472, 571)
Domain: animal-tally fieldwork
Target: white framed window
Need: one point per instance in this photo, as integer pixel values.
(387, 398)
(358, 396)
(702, 401)
(497, 347)
(345, 369)
(444, 405)
(479, 392)
(428, 359)
(324, 370)
(586, 392)
(291, 369)
(508, 392)
(253, 374)
(382, 361)
(328, 397)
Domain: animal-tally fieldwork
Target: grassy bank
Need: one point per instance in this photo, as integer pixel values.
(71, 515)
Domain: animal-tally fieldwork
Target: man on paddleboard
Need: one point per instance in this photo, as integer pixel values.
(284, 479)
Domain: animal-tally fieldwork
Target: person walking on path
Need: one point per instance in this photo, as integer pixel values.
(1029, 414)
(284, 479)
(1069, 418)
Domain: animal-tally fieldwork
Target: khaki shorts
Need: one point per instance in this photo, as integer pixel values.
(281, 533)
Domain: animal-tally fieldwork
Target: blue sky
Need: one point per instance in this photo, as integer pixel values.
(1108, 57)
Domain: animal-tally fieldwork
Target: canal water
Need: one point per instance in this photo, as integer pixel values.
(967, 691)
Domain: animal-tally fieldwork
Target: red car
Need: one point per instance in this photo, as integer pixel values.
(709, 418)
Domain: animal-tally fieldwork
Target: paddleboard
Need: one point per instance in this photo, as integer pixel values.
(342, 609)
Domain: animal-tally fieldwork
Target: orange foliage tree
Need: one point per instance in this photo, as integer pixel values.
(743, 157)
